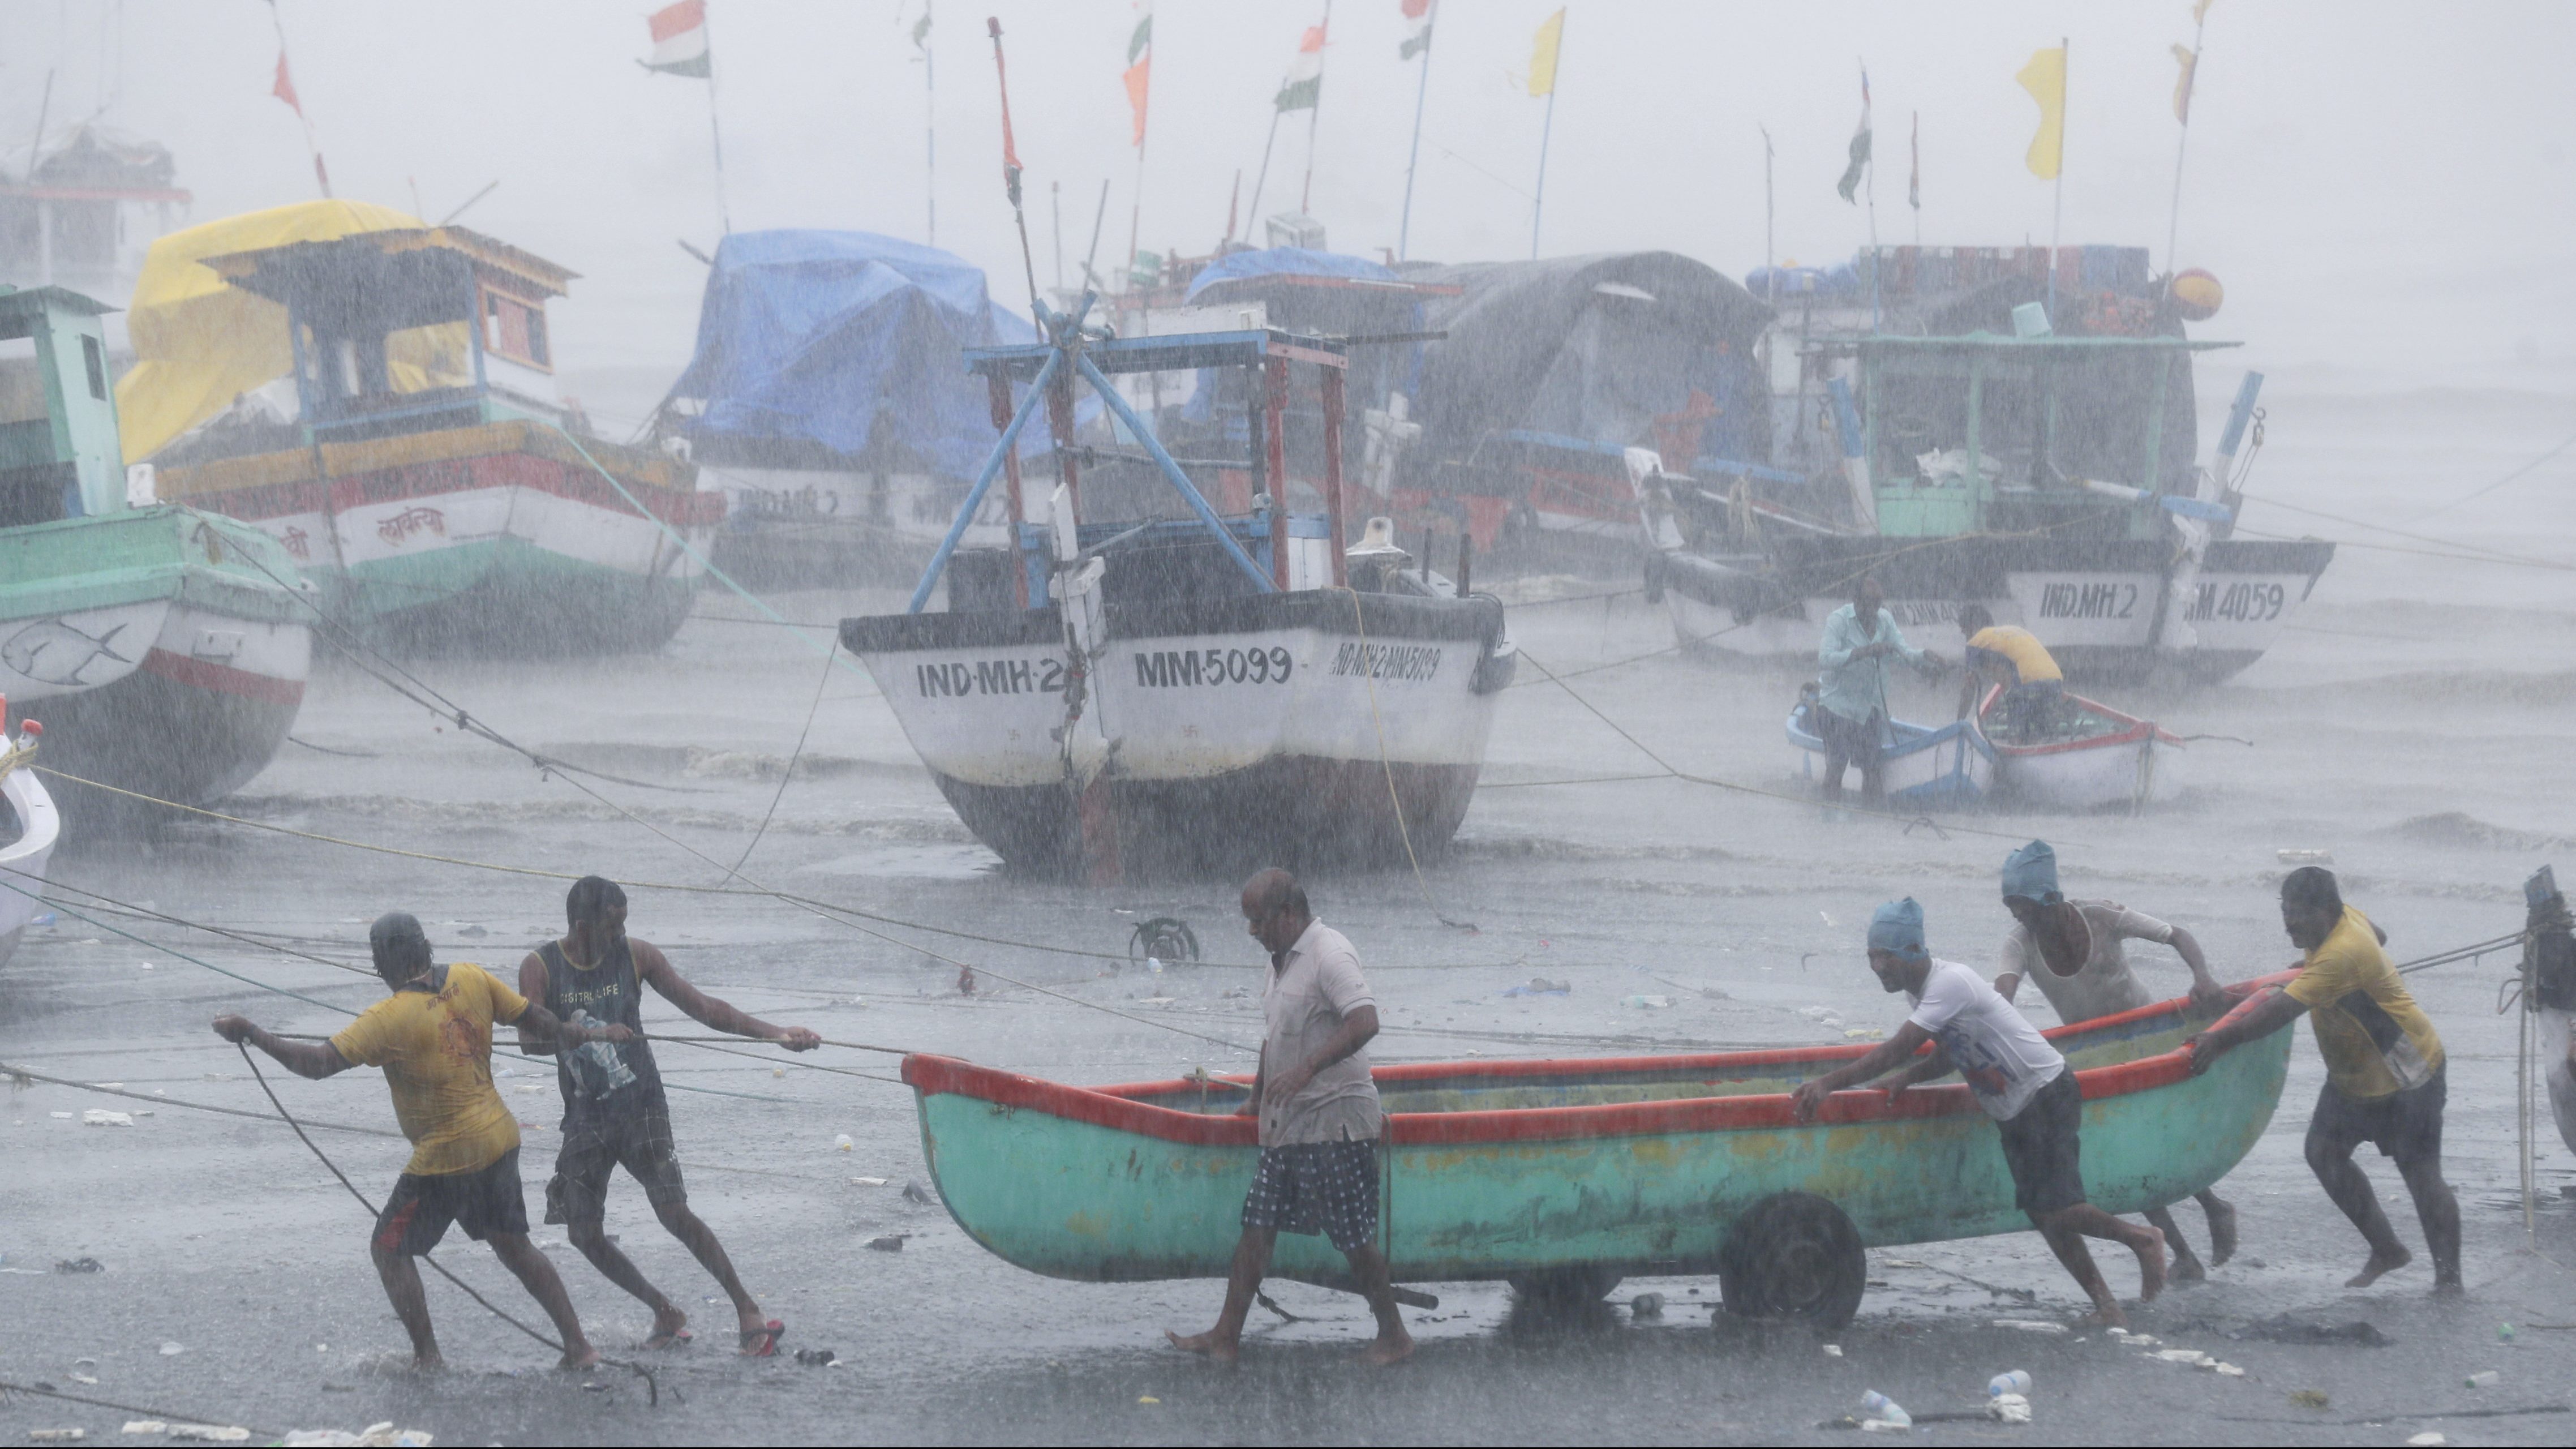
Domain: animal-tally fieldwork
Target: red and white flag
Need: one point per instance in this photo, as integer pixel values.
(284, 90)
(680, 40)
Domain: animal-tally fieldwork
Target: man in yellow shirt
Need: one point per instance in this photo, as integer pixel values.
(2384, 1073)
(433, 1037)
(2013, 658)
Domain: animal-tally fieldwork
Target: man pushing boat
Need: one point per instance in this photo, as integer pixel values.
(2016, 1076)
(1319, 1116)
(433, 1036)
(614, 1111)
(2384, 1072)
(2071, 950)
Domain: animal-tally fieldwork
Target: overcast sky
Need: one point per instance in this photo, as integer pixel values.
(2384, 188)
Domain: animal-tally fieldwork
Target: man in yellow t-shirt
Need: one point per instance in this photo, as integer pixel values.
(2384, 1073)
(2012, 658)
(433, 1037)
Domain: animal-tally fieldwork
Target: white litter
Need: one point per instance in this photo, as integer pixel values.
(101, 1117)
(871, 1181)
(2426, 1440)
(843, 1143)
(1833, 1350)
(210, 1433)
(2010, 1408)
(2030, 1325)
(173, 1350)
(2191, 1356)
(57, 1436)
(81, 1375)
(2228, 1370)
(60, 1116)
(375, 1436)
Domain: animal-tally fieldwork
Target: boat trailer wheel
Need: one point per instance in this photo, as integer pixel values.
(1165, 938)
(1793, 1256)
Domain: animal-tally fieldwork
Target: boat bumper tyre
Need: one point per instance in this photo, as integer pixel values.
(1794, 1256)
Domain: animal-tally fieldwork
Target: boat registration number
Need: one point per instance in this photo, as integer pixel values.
(2245, 603)
(1177, 668)
(959, 680)
(2106, 599)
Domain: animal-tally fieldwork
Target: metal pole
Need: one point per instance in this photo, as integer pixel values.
(715, 132)
(2057, 195)
(2182, 142)
(998, 389)
(1261, 178)
(1180, 481)
(1404, 227)
(930, 123)
(1333, 405)
(1055, 191)
(1315, 115)
(1770, 267)
(1274, 408)
(1538, 199)
(984, 483)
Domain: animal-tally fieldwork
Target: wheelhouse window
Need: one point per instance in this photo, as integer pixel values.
(515, 329)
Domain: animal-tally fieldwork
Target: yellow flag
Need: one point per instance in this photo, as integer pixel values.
(2045, 79)
(2200, 13)
(2189, 60)
(1543, 55)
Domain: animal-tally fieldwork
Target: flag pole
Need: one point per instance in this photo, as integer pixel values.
(1770, 271)
(1315, 116)
(1871, 181)
(1546, 128)
(929, 124)
(1422, 91)
(715, 131)
(2173, 216)
(1055, 194)
(312, 142)
(1261, 178)
(2057, 193)
(1914, 177)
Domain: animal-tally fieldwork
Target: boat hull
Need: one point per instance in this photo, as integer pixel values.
(1140, 1182)
(799, 528)
(23, 860)
(2135, 765)
(1944, 768)
(2558, 1048)
(2094, 603)
(1275, 728)
(166, 651)
(495, 539)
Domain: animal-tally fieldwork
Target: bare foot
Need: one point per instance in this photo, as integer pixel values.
(1385, 1351)
(2151, 1265)
(2186, 1270)
(1209, 1344)
(579, 1358)
(428, 1363)
(2105, 1315)
(2382, 1261)
(2450, 1287)
(670, 1328)
(2222, 1228)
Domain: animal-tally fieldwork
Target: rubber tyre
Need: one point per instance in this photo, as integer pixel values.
(1581, 1283)
(1794, 1257)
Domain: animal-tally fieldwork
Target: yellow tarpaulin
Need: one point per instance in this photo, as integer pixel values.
(200, 343)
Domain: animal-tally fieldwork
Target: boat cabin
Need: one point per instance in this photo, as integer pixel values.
(411, 330)
(59, 455)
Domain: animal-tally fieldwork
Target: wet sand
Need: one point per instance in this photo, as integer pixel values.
(2413, 726)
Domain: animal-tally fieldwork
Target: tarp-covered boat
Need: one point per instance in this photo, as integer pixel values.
(1540, 1170)
(2084, 756)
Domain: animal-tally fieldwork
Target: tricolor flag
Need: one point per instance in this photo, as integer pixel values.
(284, 89)
(1303, 88)
(1859, 149)
(1543, 48)
(1140, 64)
(680, 40)
(2045, 79)
(1417, 29)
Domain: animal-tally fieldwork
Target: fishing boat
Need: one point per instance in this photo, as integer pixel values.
(167, 647)
(1943, 767)
(2548, 991)
(1147, 683)
(1940, 428)
(29, 826)
(2084, 755)
(1579, 1172)
(430, 480)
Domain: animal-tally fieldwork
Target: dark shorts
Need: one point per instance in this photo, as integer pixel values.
(482, 1202)
(2405, 1125)
(2043, 1148)
(640, 1143)
(1855, 740)
(1317, 1187)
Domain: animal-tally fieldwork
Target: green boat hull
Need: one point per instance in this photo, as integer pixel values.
(1568, 1169)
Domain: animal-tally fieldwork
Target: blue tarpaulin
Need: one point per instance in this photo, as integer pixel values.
(1285, 262)
(848, 342)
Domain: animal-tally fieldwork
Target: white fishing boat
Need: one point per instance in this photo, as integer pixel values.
(1935, 767)
(29, 826)
(2548, 992)
(2084, 756)
(1189, 693)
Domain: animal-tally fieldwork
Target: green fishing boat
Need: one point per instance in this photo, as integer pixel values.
(1566, 1175)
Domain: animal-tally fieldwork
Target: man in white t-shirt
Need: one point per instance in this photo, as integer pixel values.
(2020, 1081)
(2071, 951)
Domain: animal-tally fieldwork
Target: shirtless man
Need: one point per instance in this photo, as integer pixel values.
(433, 1036)
(2071, 950)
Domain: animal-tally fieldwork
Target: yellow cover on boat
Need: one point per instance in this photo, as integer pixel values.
(200, 343)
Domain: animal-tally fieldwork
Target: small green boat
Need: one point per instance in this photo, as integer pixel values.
(1562, 1176)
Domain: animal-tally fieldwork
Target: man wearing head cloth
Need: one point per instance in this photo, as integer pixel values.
(2015, 1075)
(433, 1036)
(2071, 950)
(2384, 1073)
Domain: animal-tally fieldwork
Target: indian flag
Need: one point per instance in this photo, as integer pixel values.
(680, 40)
(1304, 86)
(1417, 29)
(1140, 65)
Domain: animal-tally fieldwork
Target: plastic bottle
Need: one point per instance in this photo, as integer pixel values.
(1880, 1406)
(843, 1142)
(2484, 1380)
(2012, 1381)
(1154, 965)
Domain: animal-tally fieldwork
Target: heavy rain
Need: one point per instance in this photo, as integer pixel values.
(1364, 721)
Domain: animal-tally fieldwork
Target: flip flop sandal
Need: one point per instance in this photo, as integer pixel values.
(762, 1342)
(676, 1338)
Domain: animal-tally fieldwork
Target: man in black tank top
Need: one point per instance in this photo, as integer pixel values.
(614, 1112)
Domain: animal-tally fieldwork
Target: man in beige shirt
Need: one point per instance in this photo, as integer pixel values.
(1319, 1116)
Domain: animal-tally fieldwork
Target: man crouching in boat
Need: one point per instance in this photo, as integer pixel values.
(1319, 1116)
(2071, 951)
(2013, 658)
(2384, 1072)
(2017, 1077)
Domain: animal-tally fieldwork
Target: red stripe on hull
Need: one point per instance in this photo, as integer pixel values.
(694, 508)
(223, 678)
